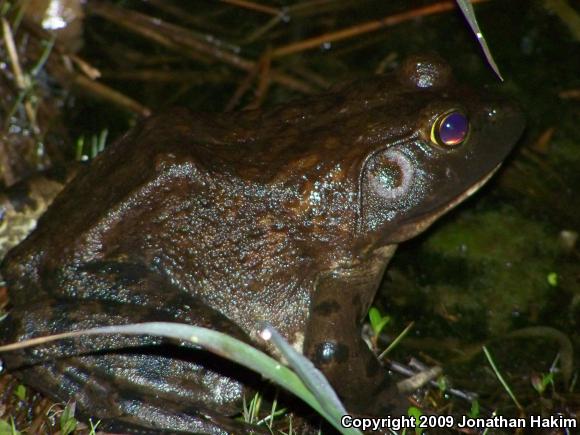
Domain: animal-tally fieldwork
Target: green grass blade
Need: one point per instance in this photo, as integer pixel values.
(215, 342)
(501, 378)
(469, 14)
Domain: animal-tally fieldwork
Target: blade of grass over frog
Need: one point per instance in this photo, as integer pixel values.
(469, 14)
(501, 378)
(310, 375)
(215, 342)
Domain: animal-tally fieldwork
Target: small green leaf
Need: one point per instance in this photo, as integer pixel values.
(416, 413)
(442, 383)
(8, 428)
(552, 279)
(541, 383)
(20, 392)
(4, 427)
(474, 411)
(68, 422)
(377, 320)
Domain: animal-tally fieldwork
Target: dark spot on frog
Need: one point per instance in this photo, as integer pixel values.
(289, 215)
(330, 352)
(326, 308)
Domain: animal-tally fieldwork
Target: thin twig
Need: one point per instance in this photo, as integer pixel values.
(88, 69)
(370, 26)
(264, 79)
(19, 78)
(570, 94)
(179, 39)
(97, 89)
(103, 91)
(253, 6)
(318, 7)
(163, 76)
(202, 21)
(262, 71)
(242, 89)
(260, 31)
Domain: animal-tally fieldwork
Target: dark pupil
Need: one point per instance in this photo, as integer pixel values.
(453, 128)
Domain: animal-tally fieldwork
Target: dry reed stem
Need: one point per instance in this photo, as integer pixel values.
(179, 39)
(254, 6)
(21, 81)
(370, 26)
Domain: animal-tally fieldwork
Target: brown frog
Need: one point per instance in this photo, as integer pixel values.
(288, 216)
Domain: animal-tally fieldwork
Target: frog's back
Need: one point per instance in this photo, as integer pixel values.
(270, 166)
(177, 176)
(280, 146)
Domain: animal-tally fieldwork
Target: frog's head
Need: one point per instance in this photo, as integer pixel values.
(454, 140)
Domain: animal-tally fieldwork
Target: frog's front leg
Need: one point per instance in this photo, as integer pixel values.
(128, 382)
(334, 343)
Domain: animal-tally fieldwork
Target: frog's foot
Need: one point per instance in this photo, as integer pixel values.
(154, 387)
(127, 408)
(164, 415)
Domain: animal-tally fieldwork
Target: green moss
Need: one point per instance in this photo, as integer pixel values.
(483, 271)
(509, 257)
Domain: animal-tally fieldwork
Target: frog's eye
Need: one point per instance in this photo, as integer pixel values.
(450, 129)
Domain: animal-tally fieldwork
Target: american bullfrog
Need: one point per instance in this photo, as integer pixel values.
(288, 216)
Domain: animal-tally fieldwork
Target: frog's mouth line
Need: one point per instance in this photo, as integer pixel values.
(477, 185)
(463, 196)
(417, 226)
